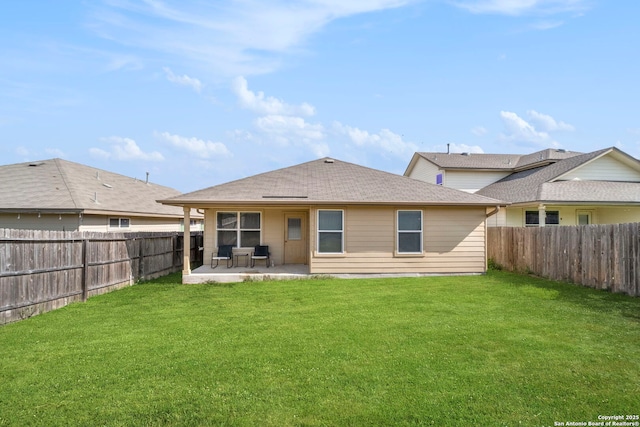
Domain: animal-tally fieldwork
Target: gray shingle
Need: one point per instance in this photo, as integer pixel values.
(498, 162)
(330, 181)
(531, 185)
(61, 185)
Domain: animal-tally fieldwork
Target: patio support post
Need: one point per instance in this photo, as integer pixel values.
(186, 245)
(542, 215)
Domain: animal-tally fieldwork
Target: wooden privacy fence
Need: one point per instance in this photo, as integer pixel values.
(44, 270)
(598, 256)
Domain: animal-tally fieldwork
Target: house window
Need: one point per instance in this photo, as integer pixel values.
(330, 231)
(439, 180)
(409, 232)
(239, 229)
(532, 218)
(118, 222)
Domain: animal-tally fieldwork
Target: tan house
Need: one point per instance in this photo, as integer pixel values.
(61, 195)
(549, 187)
(335, 217)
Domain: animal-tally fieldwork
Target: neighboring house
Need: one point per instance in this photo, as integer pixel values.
(549, 187)
(60, 195)
(338, 217)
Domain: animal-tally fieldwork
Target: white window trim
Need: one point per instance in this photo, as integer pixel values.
(238, 230)
(119, 222)
(318, 231)
(547, 224)
(398, 232)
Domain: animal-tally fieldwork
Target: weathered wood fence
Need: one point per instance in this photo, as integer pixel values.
(44, 270)
(597, 256)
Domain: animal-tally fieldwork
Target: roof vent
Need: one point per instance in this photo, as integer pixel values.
(465, 154)
(33, 165)
(107, 185)
(328, 160)
(561, 150)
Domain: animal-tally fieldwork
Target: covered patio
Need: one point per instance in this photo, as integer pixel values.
(222, 274)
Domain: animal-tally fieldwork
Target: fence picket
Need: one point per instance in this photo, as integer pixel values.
(43, 270)
(597, 256)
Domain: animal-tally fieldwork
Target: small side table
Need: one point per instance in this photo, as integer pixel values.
(246, 259)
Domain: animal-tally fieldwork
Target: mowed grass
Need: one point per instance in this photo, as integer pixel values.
(500, 349)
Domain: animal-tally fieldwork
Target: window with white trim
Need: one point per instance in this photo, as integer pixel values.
(532, 218)
(239, 229)
(409, 232)
(330, 231)
(119, 222)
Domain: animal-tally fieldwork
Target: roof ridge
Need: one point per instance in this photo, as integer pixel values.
(59, 165)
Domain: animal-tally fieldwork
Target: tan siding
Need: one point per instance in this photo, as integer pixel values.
(272, 230)
(499, 219)
(273, 233)
(424, 171)
(453, 243)
(617, 215)
(472, 181)
(370, 229)
(604, 169)
(31, 221)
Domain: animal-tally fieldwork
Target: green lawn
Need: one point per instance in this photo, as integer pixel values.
(500, 349)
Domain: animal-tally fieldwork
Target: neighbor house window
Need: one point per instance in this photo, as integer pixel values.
(118, 222)
(409, 232)
(533, 218)
(239, 229)
(330, 231)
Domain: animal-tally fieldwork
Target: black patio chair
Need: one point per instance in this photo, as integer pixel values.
(224, 252)
(260, 252)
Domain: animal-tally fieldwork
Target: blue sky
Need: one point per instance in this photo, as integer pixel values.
(198, 93)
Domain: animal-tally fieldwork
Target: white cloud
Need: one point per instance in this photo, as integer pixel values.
(124, 149)
(261, 104)
(547, 123)
(479, 131)
(385, 140)
(226, 38)
(519, 130)
(521, 7)
(464, 148)
(294, 131)
(201, 148)
(183, 80)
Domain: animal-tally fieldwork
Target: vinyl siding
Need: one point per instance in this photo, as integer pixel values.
(499, 219)
(272, 231)
(453, 242)
(472, 181)
(604, 169)
(569, 214)
(424, 171)
(100, 223)
(31, 221)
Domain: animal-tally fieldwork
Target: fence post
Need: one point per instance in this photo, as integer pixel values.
(141, 259)
(85, 271)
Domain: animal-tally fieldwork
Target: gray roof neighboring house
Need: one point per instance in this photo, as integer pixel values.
(496, 162)
(329, 181)
(61, 186)
(545, 184)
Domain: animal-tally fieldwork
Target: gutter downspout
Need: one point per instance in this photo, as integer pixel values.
(493, 212)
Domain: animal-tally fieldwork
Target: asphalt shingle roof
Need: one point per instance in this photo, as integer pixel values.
(330, 181)
(535, 184)
(504, 162)
(61, 185)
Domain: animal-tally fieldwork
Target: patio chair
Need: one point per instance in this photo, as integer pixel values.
(260, 252)
(224, 252)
